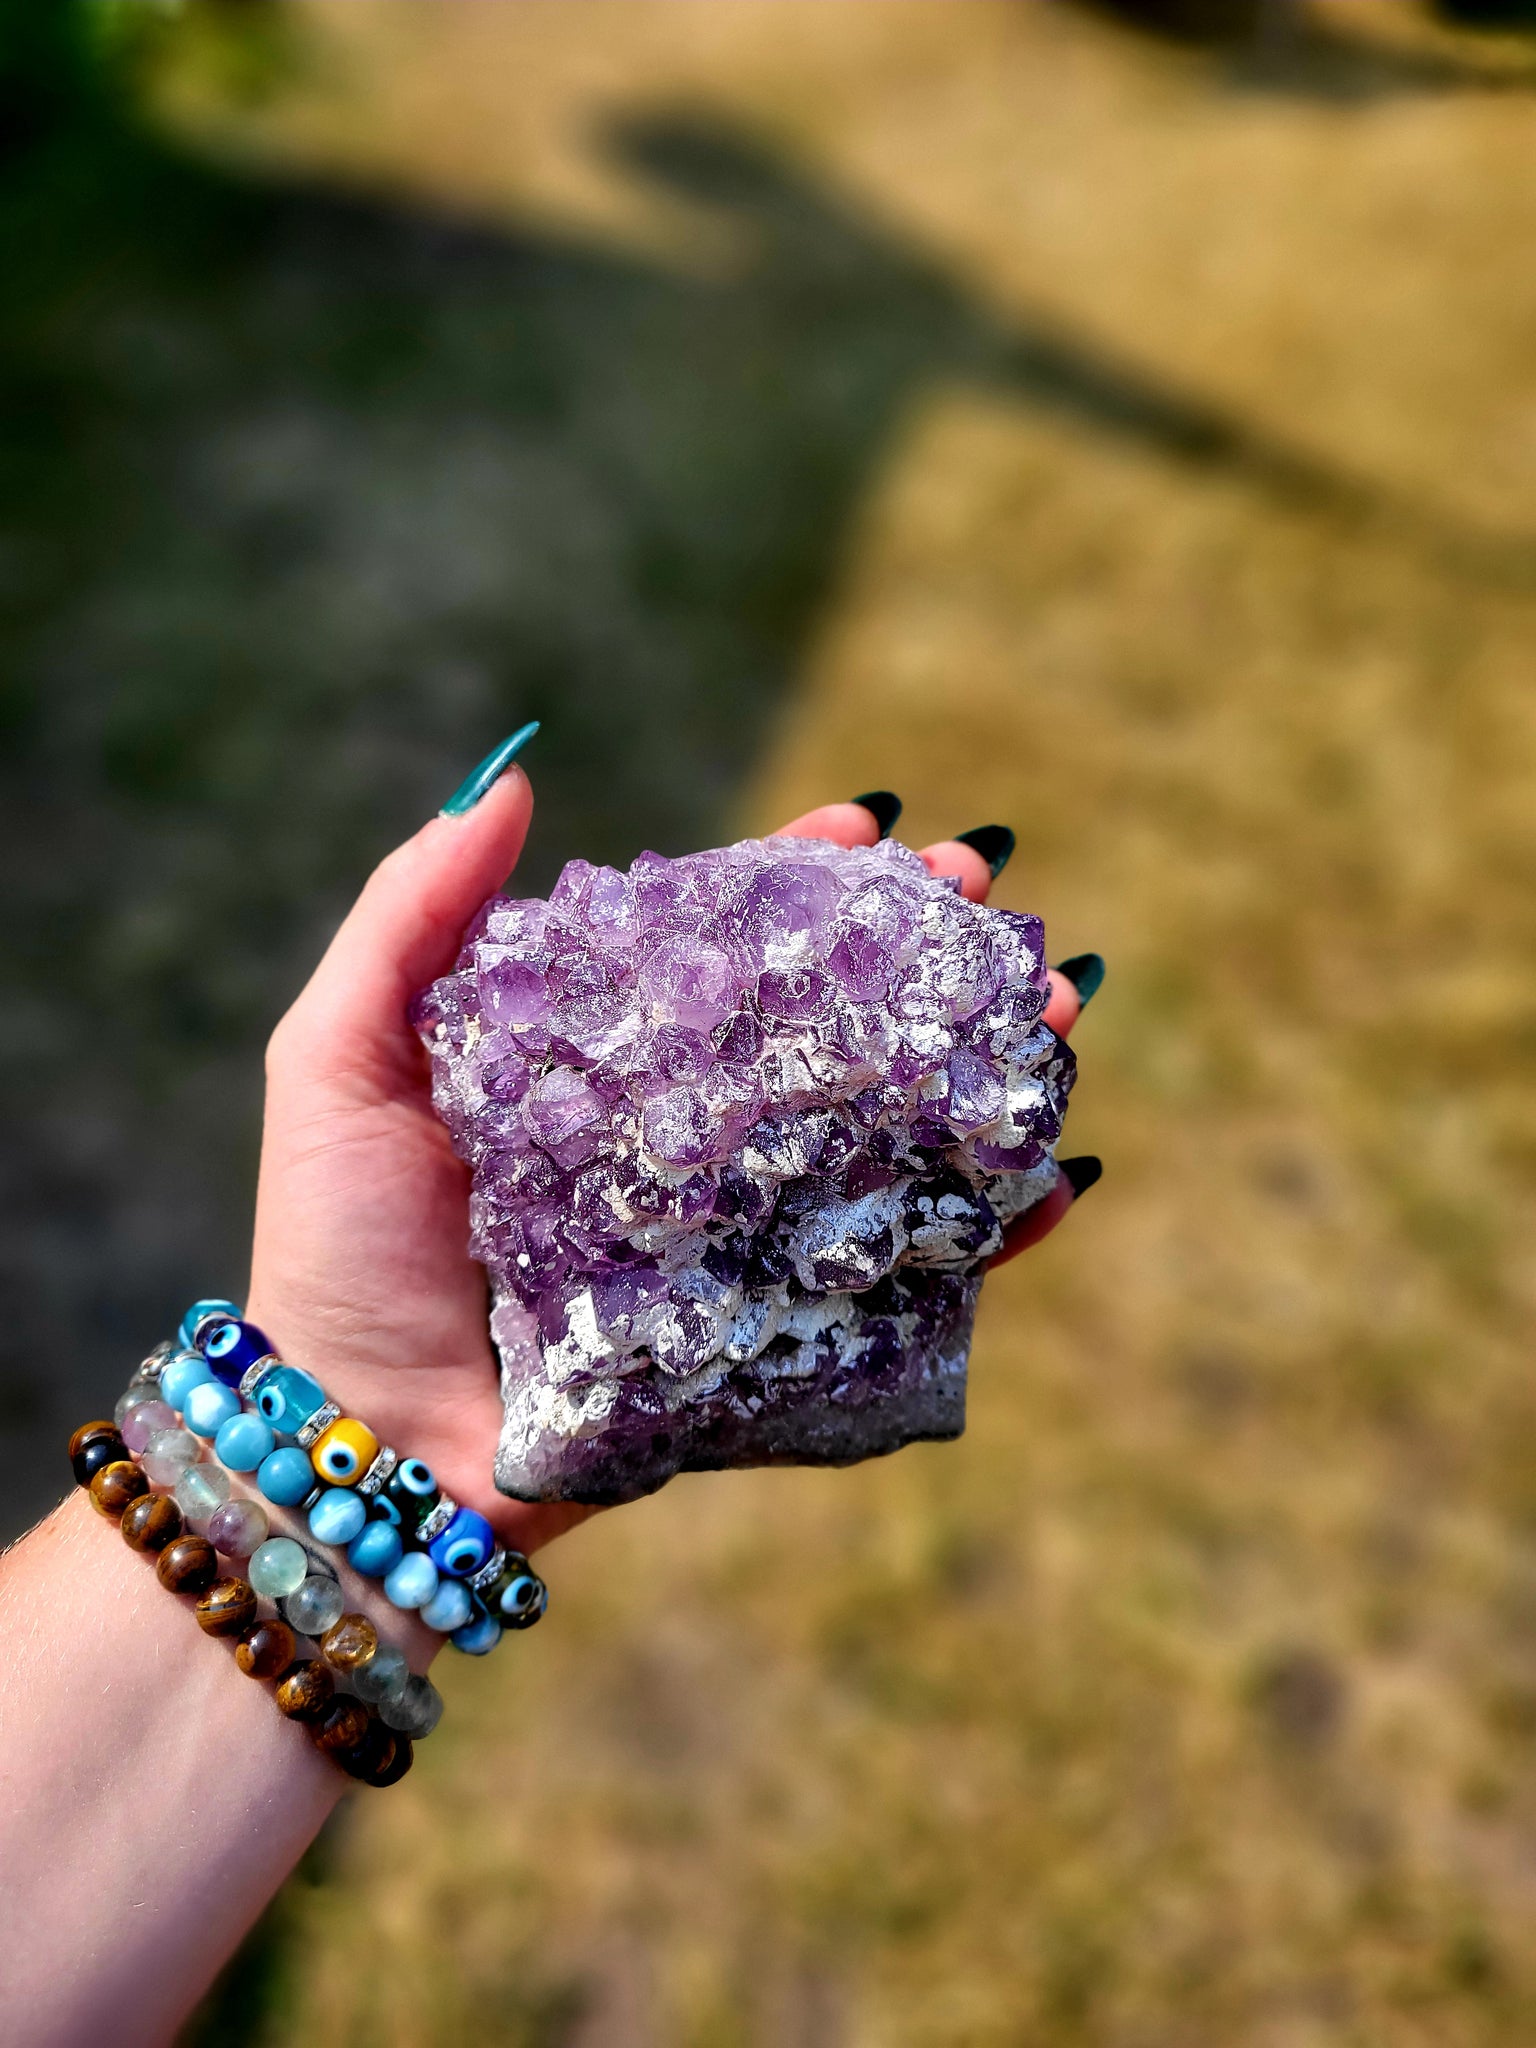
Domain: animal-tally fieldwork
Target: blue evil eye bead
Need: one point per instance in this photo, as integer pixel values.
(376, 1549)
(197, 1313)
(413, 1493)
(413, 1580)
(343, 1453)
(231, 1346)
(286, 1477)
(449, 1608)
(208, 1406)
(337, 1516)
(464, 1546)
(287, 1398)
(188, 1369)
(519, 1599)
(479, 1635)
(383, 1509)
(242, 1442)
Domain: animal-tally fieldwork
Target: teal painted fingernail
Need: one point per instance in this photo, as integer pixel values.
(479, 780)
(884, 806)
(1085, 971)
(995, 844)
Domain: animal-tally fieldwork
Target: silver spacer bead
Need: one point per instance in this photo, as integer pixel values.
(437, 1521)
(151, 1368)
(378, 1473)
(252, 1377)
(318, 1424)
(483, 1580)
(308, 1502)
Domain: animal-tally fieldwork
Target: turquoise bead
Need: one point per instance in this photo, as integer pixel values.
(337, 1516)
(186, 1371)
(286, 1478)
(208, 1406)
(277, 1568)
(377, 1550)
(195, 1314)
(449, 1608)
(413, 1580)
(243, 1442)
(286, 1398)
(479, 1635)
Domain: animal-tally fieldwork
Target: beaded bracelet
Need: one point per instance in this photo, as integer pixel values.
(278, 1567)
(396, 1523)
(360, 1742)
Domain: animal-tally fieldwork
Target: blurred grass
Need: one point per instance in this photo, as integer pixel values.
(1191, 1698)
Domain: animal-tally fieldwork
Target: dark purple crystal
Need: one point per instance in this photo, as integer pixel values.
(744, 1128)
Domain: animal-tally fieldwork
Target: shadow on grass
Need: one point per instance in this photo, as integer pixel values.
(1286, 47)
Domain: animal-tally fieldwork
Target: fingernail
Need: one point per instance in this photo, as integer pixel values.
(1082, 1172)
(1085, 971)
(995, 844)
(479, 780)
(883, 805)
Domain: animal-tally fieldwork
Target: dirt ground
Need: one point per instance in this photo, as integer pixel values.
(1190, 528)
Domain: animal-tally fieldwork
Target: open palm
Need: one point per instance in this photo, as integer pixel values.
(360, 1270)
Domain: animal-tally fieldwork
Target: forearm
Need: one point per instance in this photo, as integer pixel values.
(152, 1799)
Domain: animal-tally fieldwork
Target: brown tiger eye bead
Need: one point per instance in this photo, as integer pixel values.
(189, 1565)
(351, 1643)
(226, 1609)
(306, 1691)
(344, 1726)
(150, 1522)
(91, 1447)
(266, 1650)
(115, 1485)
(381, 1758)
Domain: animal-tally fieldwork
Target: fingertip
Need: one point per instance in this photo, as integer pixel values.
(1063, 1005)
(954, 857)
(845, 824)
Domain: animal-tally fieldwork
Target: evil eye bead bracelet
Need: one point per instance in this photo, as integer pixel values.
(275, 1422)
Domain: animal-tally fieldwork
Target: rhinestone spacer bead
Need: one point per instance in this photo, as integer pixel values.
(483, 1580)
(437, 1521)
(151, 1368)
(377, 1475)
(252, 1377)
(318, 1423)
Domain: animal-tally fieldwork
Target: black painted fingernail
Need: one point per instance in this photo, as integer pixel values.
(995, 844)
(883, 805)
(481, 778)
(1082, 1172)
(1085, 971)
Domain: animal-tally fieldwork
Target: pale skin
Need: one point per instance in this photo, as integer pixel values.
(152, 1800)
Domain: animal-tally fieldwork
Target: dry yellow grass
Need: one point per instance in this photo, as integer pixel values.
(1191, 1698)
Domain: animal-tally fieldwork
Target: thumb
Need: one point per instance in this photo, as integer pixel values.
(350, 1021)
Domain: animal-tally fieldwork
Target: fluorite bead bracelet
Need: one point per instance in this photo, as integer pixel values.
(373, 1747)
(276, 1422)
(278, 1568)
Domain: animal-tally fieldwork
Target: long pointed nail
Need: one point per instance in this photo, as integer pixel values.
(1085, 971)
(495, 764)
(995, 844)
(883, 805)
(1082, 1172)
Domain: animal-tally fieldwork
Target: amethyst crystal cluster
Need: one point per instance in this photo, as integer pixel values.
(744, 1127)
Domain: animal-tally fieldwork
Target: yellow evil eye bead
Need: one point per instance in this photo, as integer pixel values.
(344, 1452)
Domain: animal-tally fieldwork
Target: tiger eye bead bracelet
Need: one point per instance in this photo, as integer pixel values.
(345, 1729)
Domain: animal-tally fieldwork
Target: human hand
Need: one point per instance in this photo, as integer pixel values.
(360, 1269)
